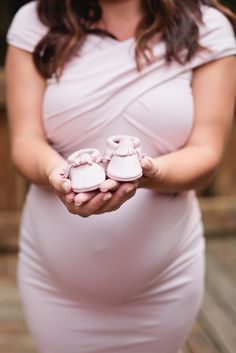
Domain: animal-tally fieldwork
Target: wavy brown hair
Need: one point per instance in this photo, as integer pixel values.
(175, 21)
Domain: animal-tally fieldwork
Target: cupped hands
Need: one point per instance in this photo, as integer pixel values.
(110, 196)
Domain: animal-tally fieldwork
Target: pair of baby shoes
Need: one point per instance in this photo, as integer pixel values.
(87, 168)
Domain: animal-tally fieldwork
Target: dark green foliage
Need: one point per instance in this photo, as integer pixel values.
(230, 3)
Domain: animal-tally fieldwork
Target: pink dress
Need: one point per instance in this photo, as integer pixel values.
(130, 281)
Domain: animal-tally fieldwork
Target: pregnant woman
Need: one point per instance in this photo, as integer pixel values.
(119, 269)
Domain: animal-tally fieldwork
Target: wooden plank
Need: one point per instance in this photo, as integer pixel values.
(222, 285)
(225, 252)
(14, 336)
(218, 325)
(9, 228)
(219, 214)
(218, 203)
(224, 183)
(14, 339)
(200, 342)
(13, 186)
(10, 265)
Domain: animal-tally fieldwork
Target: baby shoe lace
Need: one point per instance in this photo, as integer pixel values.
(82, 159)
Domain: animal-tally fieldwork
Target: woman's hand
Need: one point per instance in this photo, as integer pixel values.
(116, 193)
(151, 172)
(122, 192)
(60, 184)
(111, 195)
(108, 198)
(150, 167)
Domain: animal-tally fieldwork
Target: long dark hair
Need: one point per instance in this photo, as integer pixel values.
(176, 22)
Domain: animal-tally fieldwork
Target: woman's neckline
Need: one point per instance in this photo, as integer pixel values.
(111, 39)
(118, 41)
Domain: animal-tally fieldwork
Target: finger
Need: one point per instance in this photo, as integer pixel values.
(113, 185)
(93, 205)
(59, 182)
(109, 185)
(125, 192)
(83, 197)
(149, 166)
(70, 197)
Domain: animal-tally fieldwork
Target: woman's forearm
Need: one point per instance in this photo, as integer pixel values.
(35, 159)
(192, 167)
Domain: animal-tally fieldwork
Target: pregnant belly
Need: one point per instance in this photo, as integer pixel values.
(109, 257)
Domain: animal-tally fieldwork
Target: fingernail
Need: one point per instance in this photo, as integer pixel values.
(129, 189)
(107, 197)
(66, 187)
(146, 164)
(79, 201)
(103, 190)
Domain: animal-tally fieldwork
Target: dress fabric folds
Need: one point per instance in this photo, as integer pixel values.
(130, 281)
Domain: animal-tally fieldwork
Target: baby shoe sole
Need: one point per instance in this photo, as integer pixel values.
(124, 179)
(87, 189)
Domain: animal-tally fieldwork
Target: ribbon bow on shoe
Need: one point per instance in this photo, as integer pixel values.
(85, 171)
(123, 155)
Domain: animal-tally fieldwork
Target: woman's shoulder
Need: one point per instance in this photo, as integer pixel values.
(29, 8)
(26, 29)
(216, 37)
(215, 22)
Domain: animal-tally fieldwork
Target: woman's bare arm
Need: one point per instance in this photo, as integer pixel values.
(190, 168)
(193, 167)
(32, 155)
(34, 158)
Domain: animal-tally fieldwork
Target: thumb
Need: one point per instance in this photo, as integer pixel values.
(149, 166)
(59, 182)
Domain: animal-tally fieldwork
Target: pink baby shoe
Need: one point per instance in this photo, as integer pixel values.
(123, 155)
(85, 171)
